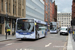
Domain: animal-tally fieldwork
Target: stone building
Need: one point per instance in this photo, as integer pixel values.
(64, 19)
(9, 11)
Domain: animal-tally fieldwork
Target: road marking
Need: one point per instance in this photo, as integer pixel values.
(25, 49)
(65, 46)
(67, 38)
(65, 43)
(9, 44)
(20, 49)
(58, 46)
(48, 45)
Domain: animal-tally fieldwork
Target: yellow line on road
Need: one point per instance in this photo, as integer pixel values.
(65, 47)
(67, 38)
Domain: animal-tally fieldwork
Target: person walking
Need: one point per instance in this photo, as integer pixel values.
(8, 31)
(69, 31)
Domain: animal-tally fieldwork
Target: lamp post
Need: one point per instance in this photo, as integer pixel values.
(6, 19)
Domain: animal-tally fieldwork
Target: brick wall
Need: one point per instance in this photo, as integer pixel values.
(54, 12)
(73, 9)
(52, 16)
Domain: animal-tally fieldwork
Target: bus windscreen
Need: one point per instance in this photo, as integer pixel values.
(25, 25)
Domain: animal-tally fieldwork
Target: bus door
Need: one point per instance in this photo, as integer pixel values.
(38, 30)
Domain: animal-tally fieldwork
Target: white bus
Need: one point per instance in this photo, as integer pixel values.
(30, 28)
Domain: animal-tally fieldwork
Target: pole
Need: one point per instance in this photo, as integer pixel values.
(6, 19)
(6, 27)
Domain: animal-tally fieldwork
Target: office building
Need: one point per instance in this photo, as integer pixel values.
(35, 9)
(64, 19)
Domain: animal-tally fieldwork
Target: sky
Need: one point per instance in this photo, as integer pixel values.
(63, 6)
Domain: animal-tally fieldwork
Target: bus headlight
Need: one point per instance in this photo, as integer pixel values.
(17, 33)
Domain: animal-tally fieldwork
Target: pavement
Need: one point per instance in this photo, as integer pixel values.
(69, 44)
(73, 42)
(9, 37)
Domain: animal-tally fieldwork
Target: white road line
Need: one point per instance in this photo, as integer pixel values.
(58, 46)
(9, 44)
(25, 49)
(48, 45)
(20, 49)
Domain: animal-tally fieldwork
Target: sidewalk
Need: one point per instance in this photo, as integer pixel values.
(69, 44)
(73, 43)
(9, 37)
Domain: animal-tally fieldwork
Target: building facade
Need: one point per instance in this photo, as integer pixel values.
(47, 10)
(64, 19)
(54, 12)
(73, 9)
(50, 11)
(35, 9)
(9, 11)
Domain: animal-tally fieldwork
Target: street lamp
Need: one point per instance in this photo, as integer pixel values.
(6, 19)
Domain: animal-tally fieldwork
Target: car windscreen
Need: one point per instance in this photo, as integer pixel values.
(64, 29)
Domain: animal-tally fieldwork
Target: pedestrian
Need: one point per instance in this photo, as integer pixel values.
(69, 31)
(8, 31)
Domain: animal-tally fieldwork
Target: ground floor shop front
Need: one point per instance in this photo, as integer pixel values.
(0, 29)
(9, 23)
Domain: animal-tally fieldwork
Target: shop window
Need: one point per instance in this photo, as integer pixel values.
(0, 29)
(2, 5)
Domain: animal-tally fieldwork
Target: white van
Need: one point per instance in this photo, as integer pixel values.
(64, 30)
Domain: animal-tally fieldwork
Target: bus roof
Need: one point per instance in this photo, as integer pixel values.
(36, 20)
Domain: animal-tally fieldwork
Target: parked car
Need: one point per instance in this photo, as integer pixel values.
(64, 30)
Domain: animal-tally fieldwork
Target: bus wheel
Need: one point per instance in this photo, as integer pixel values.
(22, 39)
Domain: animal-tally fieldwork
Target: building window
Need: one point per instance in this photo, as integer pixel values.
(22, 2)
(62, 23)
(15, 10)
(46, 16)
(46, 1)
(46, 8)
(23, 12)
(9, 5)
(9, 8)
(19, 11)
(19, 7)
(2, 5)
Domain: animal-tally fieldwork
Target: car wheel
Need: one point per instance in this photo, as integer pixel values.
(60, 33)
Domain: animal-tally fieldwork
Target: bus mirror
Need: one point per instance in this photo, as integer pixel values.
(35, 23)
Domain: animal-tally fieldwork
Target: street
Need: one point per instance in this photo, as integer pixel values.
(51, 42)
